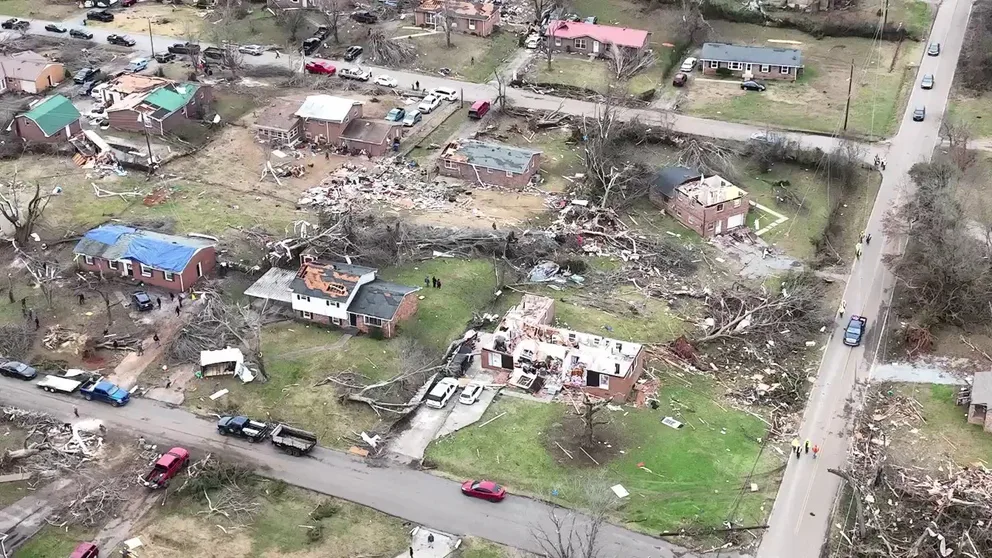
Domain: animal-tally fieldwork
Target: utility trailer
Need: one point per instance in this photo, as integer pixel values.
(89, 386)
(293, 440)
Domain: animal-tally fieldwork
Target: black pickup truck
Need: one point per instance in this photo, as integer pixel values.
(184, 48)
(244, 427)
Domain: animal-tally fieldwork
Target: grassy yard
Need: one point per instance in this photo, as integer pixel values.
(687, 477)
(480, 548)
(973, 110)
(51, 542)
(33, 9)
(815, 102)
(470, 58)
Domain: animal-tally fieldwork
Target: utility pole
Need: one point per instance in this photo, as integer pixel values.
(850, 86)
(148, 141)
(885, 18)
(152, 41)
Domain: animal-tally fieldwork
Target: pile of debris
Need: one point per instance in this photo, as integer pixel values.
(51, 445)
(61, 339)
(911, 511)
(351, 186)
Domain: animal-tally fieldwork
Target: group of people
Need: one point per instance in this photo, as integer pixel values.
(879, 162)
(863, 240)
(798, 448)
(432, 282)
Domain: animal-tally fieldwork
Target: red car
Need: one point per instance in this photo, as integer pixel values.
(487, 490)
(320, 67)
(85, 550)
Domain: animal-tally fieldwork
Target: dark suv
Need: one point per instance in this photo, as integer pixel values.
(364, 17)
(120, 40)
(14, 23)
(142, 301)
(310, 46)
(86, 74)
(184, 48)
(80, 34)
(100, 15)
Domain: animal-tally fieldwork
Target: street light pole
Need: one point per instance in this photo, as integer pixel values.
(850, 86)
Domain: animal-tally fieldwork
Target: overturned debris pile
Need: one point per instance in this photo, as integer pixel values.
(51, 444)
(15, 340)
(352, 186)
(390, 52)
(58, 338)
(911, 511)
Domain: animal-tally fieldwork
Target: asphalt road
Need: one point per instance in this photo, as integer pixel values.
(474, 91)
(406, 493)
(801, 514)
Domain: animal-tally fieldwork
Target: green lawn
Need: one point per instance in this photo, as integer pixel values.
(51, 542)
(946, 434)
(33, 9)
(480, 548)
(470, 58)
(816, 102)
(690, 477)
(973, 110)
(440, 136)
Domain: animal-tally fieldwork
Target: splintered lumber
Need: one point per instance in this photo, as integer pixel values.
(564, 450)
(492, 419)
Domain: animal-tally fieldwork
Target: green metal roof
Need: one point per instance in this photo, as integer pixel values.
(172, 99)
(53, 114)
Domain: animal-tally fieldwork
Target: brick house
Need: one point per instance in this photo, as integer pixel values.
(981, 400)
(119, 88)
(375, 137)
(752, 62)
(324, 117)
(489, 163)
(472, 18)
(344, 295)
(534, 353)
(163, 260)
(708, 205)
(29, 72)
(278, 124)
(51, 120)
(163, 110)
(590, 38)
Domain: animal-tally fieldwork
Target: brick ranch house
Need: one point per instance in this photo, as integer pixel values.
(163, 110)
(51, 120)
(29, 72)
(278, 124)
(489, 163)
(344, 295)
(535, 354)
(708, 205)
(472, 18)
(752, 62)
(375, 137)
(324, 117)
(590, 38)
(163, 260)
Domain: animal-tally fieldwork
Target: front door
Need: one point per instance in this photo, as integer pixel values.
(353, 320)
(128, 268)
(595, 47)
(719, 227)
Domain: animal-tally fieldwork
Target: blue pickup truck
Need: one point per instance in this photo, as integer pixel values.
(855, 330)
(90, 388)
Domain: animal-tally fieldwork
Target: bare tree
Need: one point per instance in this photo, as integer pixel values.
(233, 59)
(44, 271)
(694, 28)
(976, 56)
(567, 534)
(22, 216)
(293, 21)
(549, 40)
(332, 16)
(710, 158)
(958, 135)
(628, 62)
(502, 101)
(447, 20)
(192, 36)
(590, 408)
(609, 171)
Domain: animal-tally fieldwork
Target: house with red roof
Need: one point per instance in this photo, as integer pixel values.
(591, 38)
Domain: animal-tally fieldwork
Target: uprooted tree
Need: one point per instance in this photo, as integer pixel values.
(568, 534)
(22, 214)
(612, 178)
(383, 50)
(625, 62)
(945, 270)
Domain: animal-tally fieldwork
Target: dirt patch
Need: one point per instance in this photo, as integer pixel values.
(571, 434)
(189, 536)
(166, 20)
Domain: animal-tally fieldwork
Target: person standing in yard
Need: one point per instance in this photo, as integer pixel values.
(857, 250)
(806, 445)
(427, 282)
(816, 450)
(795, 446)
(842, 309)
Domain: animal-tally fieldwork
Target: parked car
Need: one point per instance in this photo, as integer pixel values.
(80, 34)
(128, 3)
(293, 440)
(137, 65)
(364, 17)
(470, 394)
(142, 301)
(184, 48)
(486, 490)
(166, 466)
(680, 79)
(352, 53)
(14, 23)
(386, 81)
(357, 74)
(310, 46)
(320, 67)
(100, 15)
(86, 74)
(751, 85)
(927, 81)
(479, 109)
(429, 103)
(396, 115)
(933, 49)
(213, 53)
(446, 93)
(688, 65)
(532, 41)
(165, 57)
(855, 330)
(120, 40)
(442, 391)
(19, 370)
(55, 28)
(412, 117)
(85, 550)
(253, 50)
(322, 32)
(919, 114)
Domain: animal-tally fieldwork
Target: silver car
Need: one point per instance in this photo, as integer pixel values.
(253, 50)
(412, 117)
(927, 81)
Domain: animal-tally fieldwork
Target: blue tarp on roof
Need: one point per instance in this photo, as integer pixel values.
(160, 251)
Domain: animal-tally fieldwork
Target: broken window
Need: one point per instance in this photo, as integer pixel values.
(719, 207)
(593, 378)
(449, 164)
(496, 360)
(88, 260)
(112, 264)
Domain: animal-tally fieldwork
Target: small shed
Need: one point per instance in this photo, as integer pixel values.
(225, 362)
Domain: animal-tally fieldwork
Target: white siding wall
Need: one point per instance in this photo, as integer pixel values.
(29, 86)
(321, 306)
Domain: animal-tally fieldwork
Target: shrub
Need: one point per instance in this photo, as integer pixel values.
(324, 510)
(315, 533)
(725, 72)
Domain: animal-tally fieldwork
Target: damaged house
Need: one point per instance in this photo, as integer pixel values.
(536, 354)
(163, 260)
(29, 72)
(473, 18)
(345, 295)
(708, 205)
(489, 163)
(51, 120)
(589, 38)
(162, 111)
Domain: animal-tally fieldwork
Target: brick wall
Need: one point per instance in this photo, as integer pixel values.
(329, 132)
(206, 258)
(773, 73)
(469, 173)
(29, 131)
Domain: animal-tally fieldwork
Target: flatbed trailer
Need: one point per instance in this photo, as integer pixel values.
(293, 440)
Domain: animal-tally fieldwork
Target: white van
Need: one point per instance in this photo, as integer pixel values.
(442, 392)
(446, 93)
